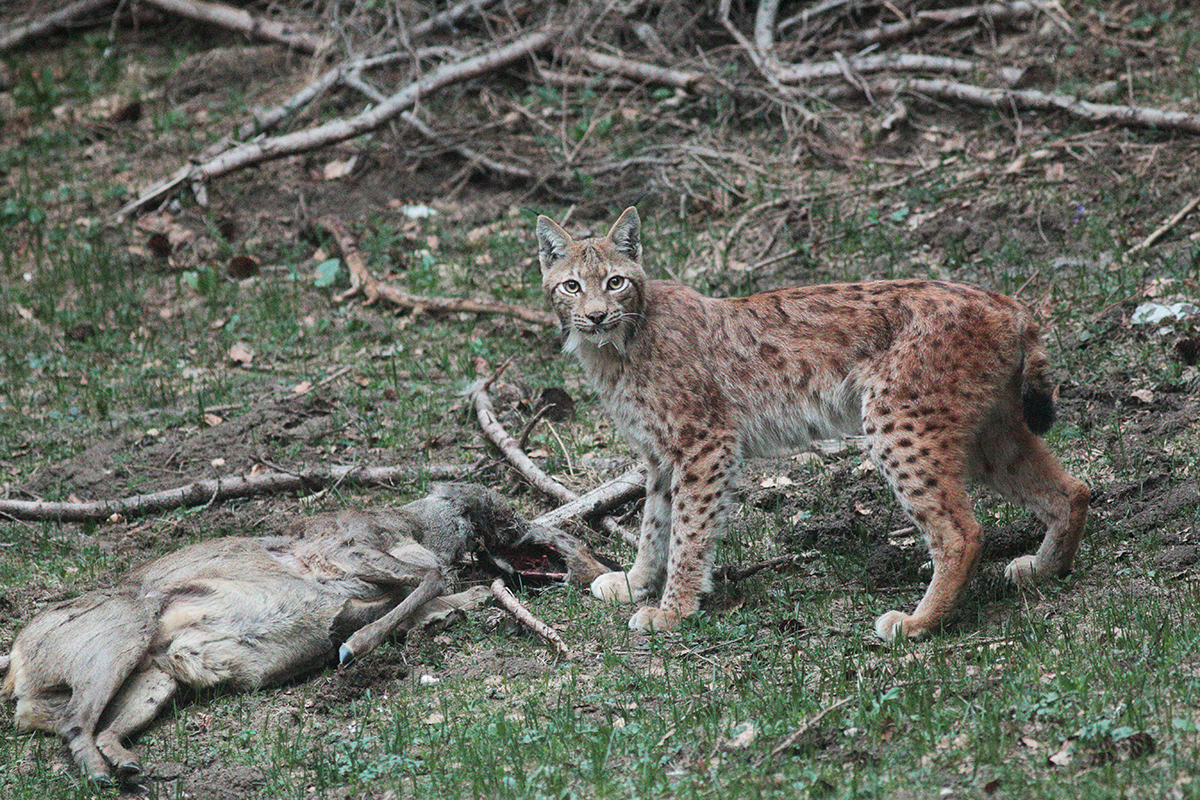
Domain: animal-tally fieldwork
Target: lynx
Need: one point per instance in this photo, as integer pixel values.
(945, 381)
(251, 612)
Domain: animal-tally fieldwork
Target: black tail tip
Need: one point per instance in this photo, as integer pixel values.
(1037, 406)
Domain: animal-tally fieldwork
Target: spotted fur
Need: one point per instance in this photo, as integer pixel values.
(944, 380)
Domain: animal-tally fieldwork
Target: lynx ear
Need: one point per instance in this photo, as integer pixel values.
(553, 242)
(626, 235)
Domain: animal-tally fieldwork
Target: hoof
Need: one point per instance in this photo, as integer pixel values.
(652, 618)
(613, 587)
(129, 769)
(345, 656)
(102, 779)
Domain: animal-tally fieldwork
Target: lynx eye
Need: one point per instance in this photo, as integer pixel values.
(616, 283)
(571, 286)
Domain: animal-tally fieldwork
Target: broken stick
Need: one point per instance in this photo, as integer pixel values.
(509, 602)
(361, 280)
(243, 21)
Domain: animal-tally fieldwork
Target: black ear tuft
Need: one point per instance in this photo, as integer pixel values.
(553, 242)
(626, 235)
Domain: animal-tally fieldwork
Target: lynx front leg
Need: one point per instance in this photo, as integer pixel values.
(651, 563)
(697, 514)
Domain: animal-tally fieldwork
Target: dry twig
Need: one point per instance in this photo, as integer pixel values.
(1166, 226)
(1005, 99)
(607, 496)
(509, 602)
(923, 20)
(897, 62)
(339, 130)
(50, 23)
(641, 71)
(243, 21)
(810, 723)
(361, 280)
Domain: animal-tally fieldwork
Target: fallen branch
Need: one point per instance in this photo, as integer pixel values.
(1166, 226)
(642, 71)
(485, 412)
(50, 23)
(243, 21)
(339, 130)
(361, 280)
(605, 497)
(1005, 99)
(217, 490)
(524, 616)
(764, 25)
(898, 62)
(923, 20)
(355, 81)
(489, 422)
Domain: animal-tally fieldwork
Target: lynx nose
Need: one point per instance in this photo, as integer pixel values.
(596, 317)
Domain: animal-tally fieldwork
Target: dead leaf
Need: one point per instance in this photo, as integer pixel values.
(241, 354)
(212, 420)
(1062, 758)
(1030, 742)
(1055, 173)
(218, 462)
(1143, 396)
(339, 169)
(776, 482)
(159, 245)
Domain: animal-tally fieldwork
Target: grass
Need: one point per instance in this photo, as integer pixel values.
(1084, 688)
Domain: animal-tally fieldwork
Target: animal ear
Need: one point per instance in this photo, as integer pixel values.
(626, 235)
(553, 242)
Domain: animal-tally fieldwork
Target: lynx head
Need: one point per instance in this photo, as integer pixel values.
(595, 285)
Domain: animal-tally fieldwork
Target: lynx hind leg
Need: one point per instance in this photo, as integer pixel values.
(650, 565)
(923, 463)
(1020, 467)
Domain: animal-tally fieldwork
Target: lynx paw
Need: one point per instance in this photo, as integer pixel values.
(890, 626)
(1021, 571)
(897, 625)
(613, 587)
(652, 618)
